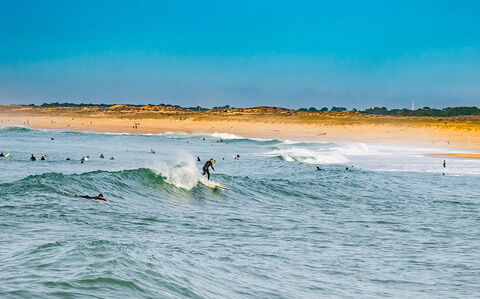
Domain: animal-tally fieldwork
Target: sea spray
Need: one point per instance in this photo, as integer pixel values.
(184, 173)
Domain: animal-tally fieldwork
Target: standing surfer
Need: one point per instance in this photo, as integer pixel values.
(208, 164)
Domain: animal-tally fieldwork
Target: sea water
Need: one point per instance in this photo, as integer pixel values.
(390, 225)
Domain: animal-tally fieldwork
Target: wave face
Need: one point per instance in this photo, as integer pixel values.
(385, 227)
(15, 129)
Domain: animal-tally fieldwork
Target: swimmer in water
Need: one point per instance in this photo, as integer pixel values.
(97, 198)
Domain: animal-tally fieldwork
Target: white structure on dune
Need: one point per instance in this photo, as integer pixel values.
(413, 105)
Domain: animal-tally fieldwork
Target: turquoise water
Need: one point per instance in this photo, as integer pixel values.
(391, 225)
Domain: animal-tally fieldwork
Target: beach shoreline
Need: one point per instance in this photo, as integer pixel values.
(453, 134)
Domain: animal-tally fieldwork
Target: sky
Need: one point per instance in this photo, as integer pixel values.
(354, 54)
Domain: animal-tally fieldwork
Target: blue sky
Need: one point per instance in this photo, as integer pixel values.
(355, 54)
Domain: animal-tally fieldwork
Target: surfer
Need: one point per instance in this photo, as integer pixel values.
(102, 156)
(97, 198)
(208, 164)
(67, 159)
(112, 158)
(198, 158)
(2, 154)
(32, 158)
(42, 158)
(444, 163)
(152, 151)
(318, 168)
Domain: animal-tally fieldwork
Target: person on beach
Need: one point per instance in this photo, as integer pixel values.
(208, 164)
(32, 158)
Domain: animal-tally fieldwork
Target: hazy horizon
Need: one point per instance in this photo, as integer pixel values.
(273, 53)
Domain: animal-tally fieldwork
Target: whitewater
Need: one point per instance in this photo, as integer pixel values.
(396, 223)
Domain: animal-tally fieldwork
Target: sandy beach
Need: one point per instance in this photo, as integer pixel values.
(455, 133)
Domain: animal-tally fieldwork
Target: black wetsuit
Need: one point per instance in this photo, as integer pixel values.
(206, 166)
(33, 158)
(93, 197)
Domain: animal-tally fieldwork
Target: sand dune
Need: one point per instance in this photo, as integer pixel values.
(262, 122)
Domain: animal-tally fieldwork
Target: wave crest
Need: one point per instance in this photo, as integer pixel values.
(308, 156)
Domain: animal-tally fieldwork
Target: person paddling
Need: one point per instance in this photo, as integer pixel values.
(97, 198)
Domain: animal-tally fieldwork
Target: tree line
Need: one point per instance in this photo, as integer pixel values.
(425, 111)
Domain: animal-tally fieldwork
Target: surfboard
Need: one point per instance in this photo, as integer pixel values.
(7, 155)
(222, 187)
(212, 184)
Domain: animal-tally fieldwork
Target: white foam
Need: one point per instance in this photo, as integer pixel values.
(296, 142)
(356, 149)
(217, 135)
(184, 174)
(226, 136)
(308, 156)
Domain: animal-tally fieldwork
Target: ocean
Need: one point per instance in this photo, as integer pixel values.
(390, 226)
